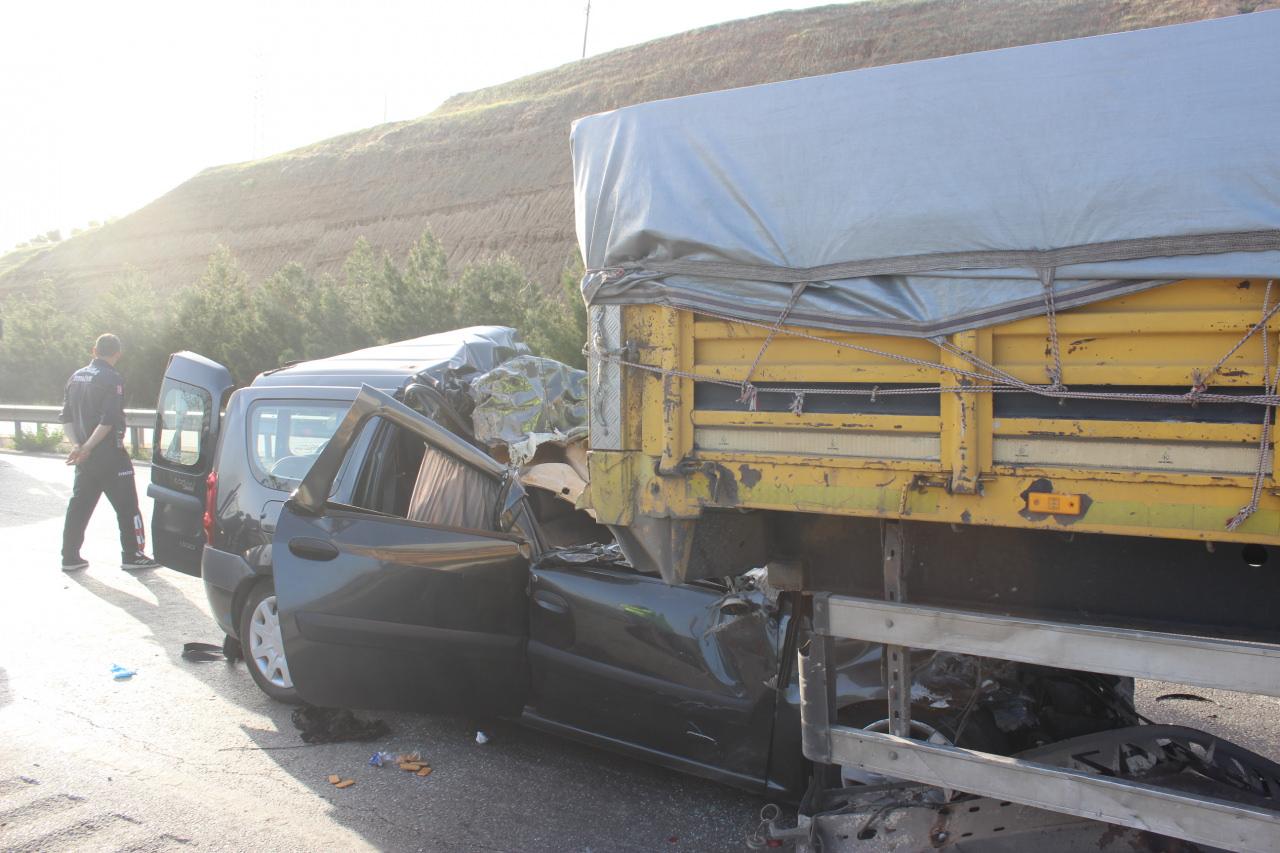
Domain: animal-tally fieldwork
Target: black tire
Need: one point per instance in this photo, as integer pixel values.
(269, 672)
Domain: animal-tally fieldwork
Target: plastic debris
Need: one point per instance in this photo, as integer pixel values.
(335, 725)
(482, 738)
(1189, 697)
(122, 673)
(200, 652)
(380, 758)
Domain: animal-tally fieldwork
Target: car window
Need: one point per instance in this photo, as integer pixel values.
(286, 437)
(184, 422)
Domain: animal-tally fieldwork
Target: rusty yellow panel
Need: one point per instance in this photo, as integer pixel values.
(727, 351)
(1136, 430)
(1136, 357)
(807, 421)
(1168, 510)
(963, 422)
(1160, 337)
(861, 444)
(1192, 305)
(653, 330)
(611, 486)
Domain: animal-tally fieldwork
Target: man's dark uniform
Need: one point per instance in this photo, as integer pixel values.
(95, 395)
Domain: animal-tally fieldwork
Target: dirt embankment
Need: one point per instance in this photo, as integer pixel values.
(489, 170)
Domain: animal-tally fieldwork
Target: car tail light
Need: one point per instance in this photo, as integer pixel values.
(210, 505)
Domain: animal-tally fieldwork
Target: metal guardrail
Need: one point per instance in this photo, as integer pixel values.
(137, 420)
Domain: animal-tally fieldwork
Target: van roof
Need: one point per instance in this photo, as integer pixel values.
(475, 349)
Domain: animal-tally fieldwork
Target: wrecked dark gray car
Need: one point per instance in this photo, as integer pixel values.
(413, 570)
(450, 594)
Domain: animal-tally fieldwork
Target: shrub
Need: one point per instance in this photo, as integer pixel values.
(43, 440)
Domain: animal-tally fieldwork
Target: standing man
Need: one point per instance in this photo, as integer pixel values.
(93, 411)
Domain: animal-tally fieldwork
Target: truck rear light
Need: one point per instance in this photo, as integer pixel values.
(210, 505)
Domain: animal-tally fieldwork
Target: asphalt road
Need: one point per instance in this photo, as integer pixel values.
(191, 756)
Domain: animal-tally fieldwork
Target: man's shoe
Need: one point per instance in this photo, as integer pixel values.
(75, 565)
(141, 561)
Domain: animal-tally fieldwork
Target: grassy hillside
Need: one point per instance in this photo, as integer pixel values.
(489, 170)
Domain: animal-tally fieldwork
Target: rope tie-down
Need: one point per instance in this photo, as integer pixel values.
(984, 377)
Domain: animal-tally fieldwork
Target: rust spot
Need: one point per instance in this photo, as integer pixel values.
(1043, 484)
(723, 485)
(1236, 372)
(1075, 345)
(1244, 285)
(749, 476)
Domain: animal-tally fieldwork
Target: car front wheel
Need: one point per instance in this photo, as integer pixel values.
(263, 646)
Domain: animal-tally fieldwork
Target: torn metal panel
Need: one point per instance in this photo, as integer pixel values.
(527, 401)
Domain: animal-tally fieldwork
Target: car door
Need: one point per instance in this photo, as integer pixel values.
(682, 673)
(188, 421)
(379, 611)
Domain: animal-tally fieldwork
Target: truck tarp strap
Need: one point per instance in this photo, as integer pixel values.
(1032, 259)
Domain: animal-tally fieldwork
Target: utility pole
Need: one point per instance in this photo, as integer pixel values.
(585, 27)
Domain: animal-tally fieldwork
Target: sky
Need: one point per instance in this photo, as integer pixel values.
(105, 106)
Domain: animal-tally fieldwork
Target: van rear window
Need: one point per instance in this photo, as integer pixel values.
(184, 423)
(286, 437)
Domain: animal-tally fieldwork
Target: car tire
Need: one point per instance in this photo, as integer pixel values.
(262, 646)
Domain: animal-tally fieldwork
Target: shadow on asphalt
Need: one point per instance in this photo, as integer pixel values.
(173, 620)
(525, 790)
(29, 500)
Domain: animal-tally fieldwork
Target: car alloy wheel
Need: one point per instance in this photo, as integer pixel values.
(919, 731)
(266, 647)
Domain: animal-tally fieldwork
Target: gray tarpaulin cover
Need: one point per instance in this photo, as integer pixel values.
(944, 191)
(527, 400)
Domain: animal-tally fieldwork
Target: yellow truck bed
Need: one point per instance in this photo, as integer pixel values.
(687, 442)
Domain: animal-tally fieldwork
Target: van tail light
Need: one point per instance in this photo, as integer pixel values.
(210, 505)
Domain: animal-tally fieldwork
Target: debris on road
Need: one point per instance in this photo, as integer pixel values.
(1189, 697)
(335, 725)
(380, 758)
(482, 738)
(122, 673)
(334, 778)
(424, 771)
(200, 652)
(345, 783)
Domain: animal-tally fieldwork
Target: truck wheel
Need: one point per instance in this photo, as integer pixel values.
(262, 645)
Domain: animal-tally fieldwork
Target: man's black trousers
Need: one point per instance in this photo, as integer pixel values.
(107, 471)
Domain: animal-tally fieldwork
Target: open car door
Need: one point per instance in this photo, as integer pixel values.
(188, 417)
(381, 611)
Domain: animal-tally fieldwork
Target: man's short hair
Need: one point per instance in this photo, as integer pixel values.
(107, 345)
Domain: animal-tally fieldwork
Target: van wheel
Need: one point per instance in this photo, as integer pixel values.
(262, 645)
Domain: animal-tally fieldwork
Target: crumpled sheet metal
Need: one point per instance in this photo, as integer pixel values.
(1164, 134)
(527, 401)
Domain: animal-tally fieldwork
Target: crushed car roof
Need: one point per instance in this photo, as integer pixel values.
(390, 366)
